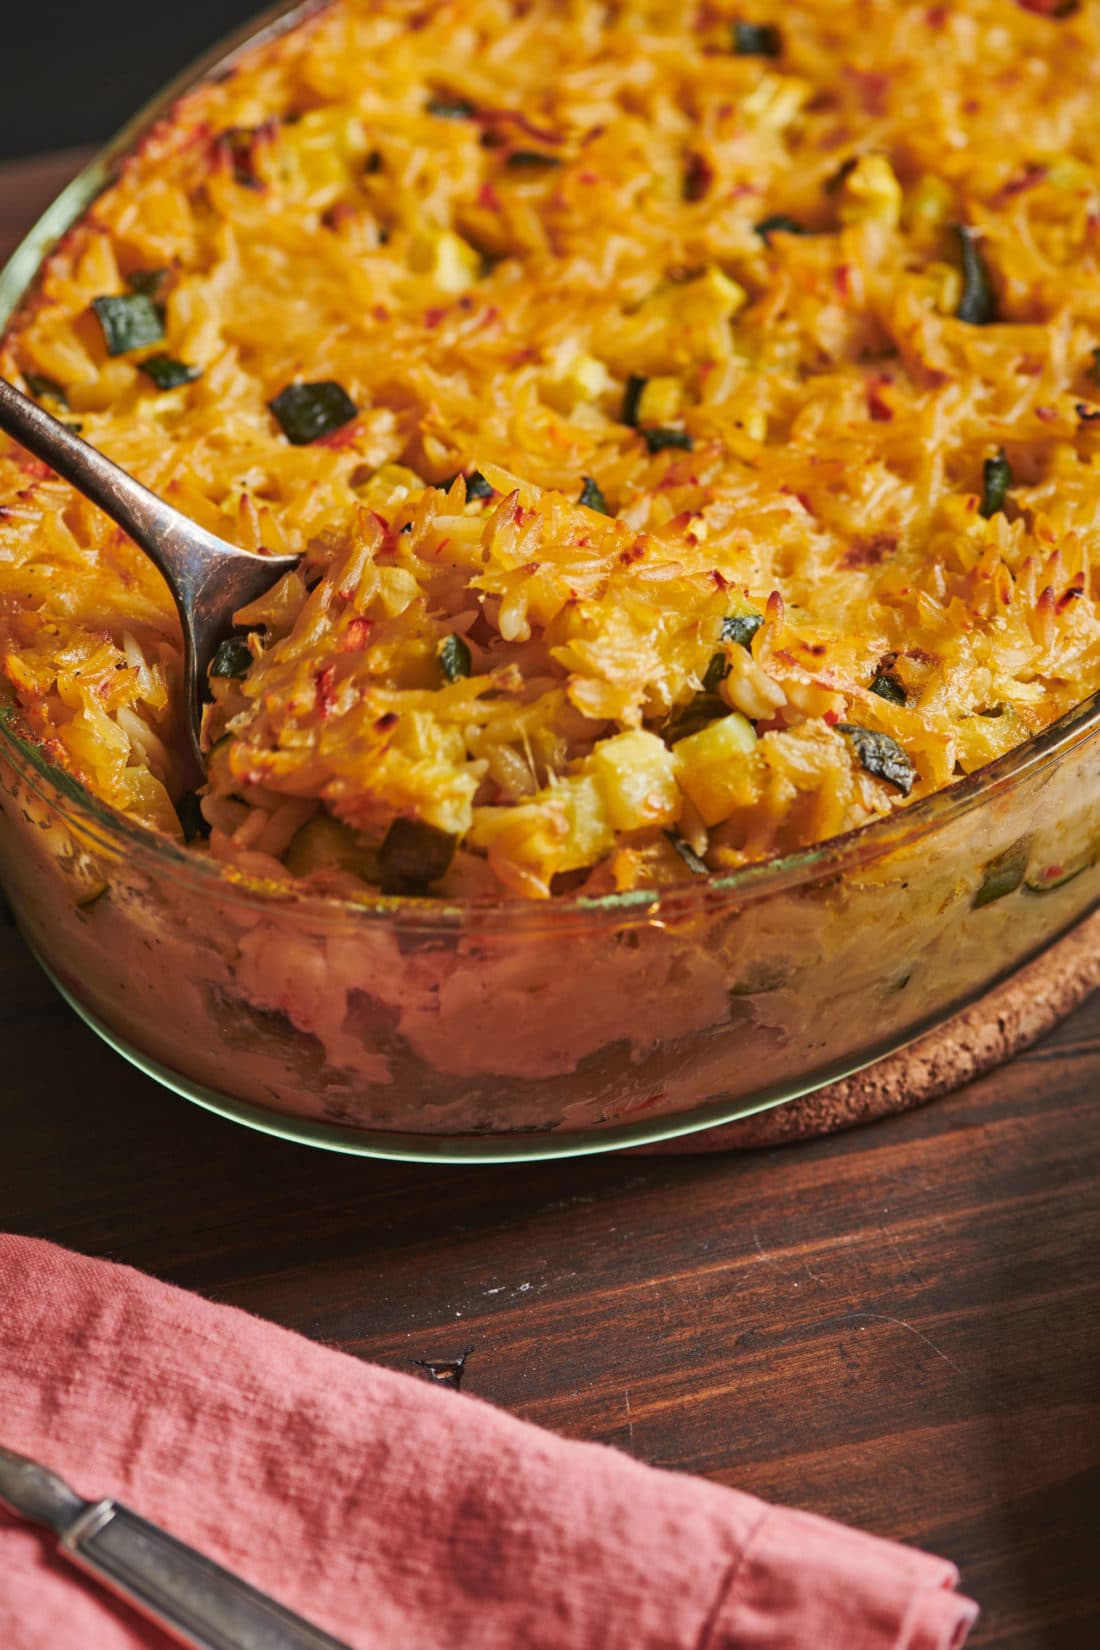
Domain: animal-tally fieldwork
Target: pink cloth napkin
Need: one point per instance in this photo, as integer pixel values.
(394, 1513)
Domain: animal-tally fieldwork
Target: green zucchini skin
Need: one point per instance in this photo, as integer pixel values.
(325, 844)
(1058, 875)
(1004, 874)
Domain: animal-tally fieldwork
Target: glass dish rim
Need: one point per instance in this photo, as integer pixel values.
(113, 832)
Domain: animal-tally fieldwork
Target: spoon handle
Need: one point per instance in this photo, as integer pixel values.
(153, 524)
(208, 578)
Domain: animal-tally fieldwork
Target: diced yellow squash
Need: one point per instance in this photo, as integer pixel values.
(425, 738)
(388, 486)
(680, 322)
(710, 297)
(693, 316)
(756, 426)
(872, 193)
(142, 795)
(450, 262)
(660, 401)
(1070, 173)
(775, 101)
(946, 287)
(636, 780)
(710, 765)
(397, 590)
(590, 833)
(930, 204)
(564, 828)
(318, 153)
(580, 379)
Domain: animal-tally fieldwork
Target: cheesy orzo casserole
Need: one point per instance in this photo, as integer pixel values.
(689, 420)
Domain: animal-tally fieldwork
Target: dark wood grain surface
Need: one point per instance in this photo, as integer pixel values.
(898, 1327)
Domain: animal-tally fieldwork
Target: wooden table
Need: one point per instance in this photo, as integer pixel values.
(899, 1327)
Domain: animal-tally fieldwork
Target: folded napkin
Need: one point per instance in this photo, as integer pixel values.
(394, 1513)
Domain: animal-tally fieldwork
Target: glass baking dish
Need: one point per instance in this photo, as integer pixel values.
(415, 1028)
(419, 1029)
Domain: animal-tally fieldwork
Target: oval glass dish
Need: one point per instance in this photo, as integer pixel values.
(421, 1029)
(417, 1029)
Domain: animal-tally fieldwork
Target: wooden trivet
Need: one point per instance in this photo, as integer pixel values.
(1007, 1019)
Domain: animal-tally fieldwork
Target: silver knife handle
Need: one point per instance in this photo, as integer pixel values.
(193, 1598)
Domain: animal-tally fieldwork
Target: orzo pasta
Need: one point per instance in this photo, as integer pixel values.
(689, 420)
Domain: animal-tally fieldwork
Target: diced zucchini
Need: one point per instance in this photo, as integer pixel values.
(996, 480)
(658, 439)
(591, 496)
(454, 657)
(324, 844)
(526, 160)
(696, 714)
(1068, 172)
(756, 39)
(306, 412)
(129, 321)
(978, 303)
(451, 108)
(889, 688)
(1045, 881)
(930, 203)
(716, 672)
(39, 386)
(741, 628)
(697, 866)
(149, 282)
(881, 756)
(577, 379)
(1003, 875)
(413, 855)
(779, 224)
(388, 486)
(632, 397)
(167, 373)
(232, 658)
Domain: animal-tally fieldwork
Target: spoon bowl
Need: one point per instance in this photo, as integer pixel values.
(209, 579)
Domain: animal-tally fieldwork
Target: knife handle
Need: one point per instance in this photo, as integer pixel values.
(187, 1594)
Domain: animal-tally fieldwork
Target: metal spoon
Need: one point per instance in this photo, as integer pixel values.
(208, 578)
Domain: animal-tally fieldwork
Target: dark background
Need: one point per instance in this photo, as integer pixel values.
(76, 71)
